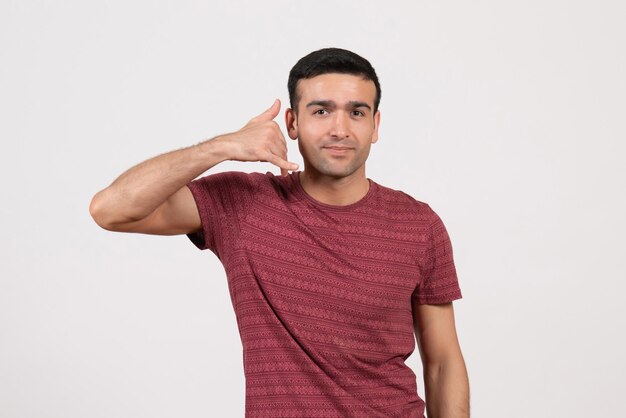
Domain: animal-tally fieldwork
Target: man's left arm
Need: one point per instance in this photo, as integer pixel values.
(445, 375)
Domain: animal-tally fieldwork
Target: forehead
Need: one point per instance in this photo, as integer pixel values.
(340, 88)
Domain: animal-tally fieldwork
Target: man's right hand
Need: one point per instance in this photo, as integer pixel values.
(153, 198)
(260, 140)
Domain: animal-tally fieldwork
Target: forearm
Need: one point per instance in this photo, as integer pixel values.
(447, 389)
(140, 190)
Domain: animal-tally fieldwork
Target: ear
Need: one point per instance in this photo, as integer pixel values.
(291, 122)
(376, 124)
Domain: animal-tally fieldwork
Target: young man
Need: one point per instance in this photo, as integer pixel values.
(330, 273)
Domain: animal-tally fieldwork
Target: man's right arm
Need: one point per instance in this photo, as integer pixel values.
(153, 198)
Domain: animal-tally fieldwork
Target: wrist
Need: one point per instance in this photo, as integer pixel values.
(215, 148)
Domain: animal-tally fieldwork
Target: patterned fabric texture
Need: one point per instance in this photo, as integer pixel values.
(324, 294)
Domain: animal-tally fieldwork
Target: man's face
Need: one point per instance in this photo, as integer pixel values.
(335, 123)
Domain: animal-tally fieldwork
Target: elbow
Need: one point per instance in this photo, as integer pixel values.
(444, 357)
(432, 372)
(97, 213)
(108, 215)
(452, 363)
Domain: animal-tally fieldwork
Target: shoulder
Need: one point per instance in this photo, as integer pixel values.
(226, 189)
(231, 179)
(402, 202)
(254, 184)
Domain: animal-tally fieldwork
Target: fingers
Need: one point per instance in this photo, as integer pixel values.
(277, 147)
(278, 156)
(283, 164)
(269, 114)
(282, 139)
(283, 154)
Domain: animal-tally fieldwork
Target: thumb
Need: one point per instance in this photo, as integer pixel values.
(269, 114)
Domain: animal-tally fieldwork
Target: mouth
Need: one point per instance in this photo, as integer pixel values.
(338, 150)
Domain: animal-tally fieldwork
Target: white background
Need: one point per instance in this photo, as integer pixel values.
(507, 117)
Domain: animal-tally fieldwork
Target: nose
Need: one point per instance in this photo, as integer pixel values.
(340, 128)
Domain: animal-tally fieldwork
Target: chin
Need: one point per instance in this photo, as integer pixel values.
(336, 172)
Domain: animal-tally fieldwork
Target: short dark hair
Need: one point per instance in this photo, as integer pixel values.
(330, 60)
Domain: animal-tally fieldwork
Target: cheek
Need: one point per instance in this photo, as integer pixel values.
(311, 126)
(308, 135)
(367, 132)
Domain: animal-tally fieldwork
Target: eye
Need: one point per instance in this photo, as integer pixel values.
(320, 112)
(357, 113)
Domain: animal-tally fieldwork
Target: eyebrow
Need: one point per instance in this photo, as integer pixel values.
(329, 103)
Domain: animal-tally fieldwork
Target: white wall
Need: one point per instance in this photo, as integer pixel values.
(507, 117)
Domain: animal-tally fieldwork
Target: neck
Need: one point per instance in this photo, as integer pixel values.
(332, 191)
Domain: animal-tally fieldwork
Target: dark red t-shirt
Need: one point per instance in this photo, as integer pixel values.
(323, 294)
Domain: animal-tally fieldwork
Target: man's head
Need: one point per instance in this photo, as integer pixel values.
(330, 60)
(334, 115)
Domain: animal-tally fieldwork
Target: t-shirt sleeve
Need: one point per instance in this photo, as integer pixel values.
(439, 282)
(222, 199)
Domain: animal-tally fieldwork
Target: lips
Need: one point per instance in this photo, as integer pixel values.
(337, 151)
